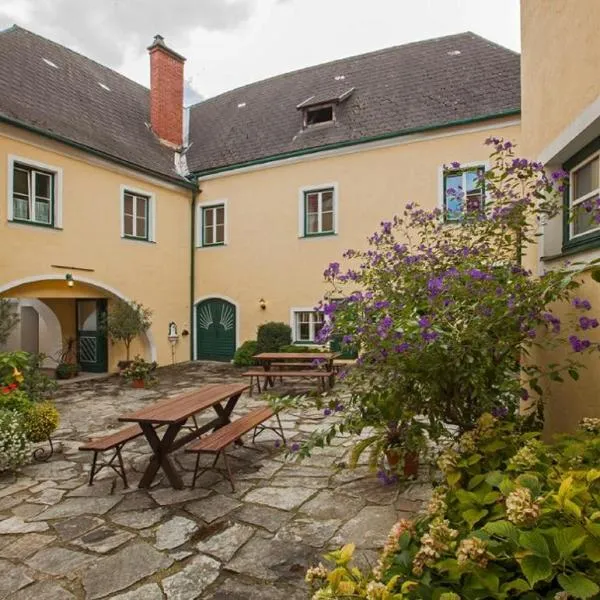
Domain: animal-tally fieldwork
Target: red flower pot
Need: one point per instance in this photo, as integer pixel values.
(411, 464)
(138, 383)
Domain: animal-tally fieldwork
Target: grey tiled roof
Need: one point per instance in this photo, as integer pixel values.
(69, 102)
(418, 85)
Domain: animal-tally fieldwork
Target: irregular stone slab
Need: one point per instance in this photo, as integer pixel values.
(271, 559)
(49, 496)
(370, 489)
(331, 505)
(103, 539)
(190, 582)
(45, 590)
(73, 507)
(369, 528)
(57, 470)
(18, 525)
(263, 516)
(266, 470)
(315, 483)
(307, 531)
(150, 591)
(121, 570)
(12, 578)
(42, 486)
(26, 545)
(27, 511)
(139, 520)
(236, 590)
(181, 555)
(135, 501)
(168, 496)
(22, 484)
(212, 508)
(284, 498)
(72, 528)
(174, 533)
(100, 488)
(58, 561)
(225, 544)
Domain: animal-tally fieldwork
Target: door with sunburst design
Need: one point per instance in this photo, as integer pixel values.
(215, 330)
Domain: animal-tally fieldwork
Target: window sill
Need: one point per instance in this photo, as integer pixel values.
(308, 236)
(20, 223)
(204, 246)
(130, 238)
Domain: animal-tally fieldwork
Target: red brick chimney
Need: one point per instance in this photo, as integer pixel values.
(166, 92)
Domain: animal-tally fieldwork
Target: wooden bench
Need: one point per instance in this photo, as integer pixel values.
(217, 442)
(114, 441)
(324, 378)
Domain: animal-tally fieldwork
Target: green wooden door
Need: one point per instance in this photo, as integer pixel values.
(92, 348)
(215, 330)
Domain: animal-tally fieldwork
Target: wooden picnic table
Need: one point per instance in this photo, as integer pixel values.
(268, 358)
(174, 412)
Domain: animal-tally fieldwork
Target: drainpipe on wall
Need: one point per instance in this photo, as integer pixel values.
(195, 194)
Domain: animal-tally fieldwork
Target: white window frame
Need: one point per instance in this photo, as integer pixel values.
(151, 216)
(442, 191)
(200, 222)
(57, 173)
(322, 187)
(593, 194)
(295, 338)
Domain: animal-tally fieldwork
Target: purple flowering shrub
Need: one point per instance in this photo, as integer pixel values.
(445, 315)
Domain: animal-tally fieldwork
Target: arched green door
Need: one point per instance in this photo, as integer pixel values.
(215, 330)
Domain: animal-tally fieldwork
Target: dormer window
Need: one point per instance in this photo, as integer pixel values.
(318, 114)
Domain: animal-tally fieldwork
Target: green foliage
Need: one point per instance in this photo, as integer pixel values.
(293, 348)
(36, 384)
(15, 400)
(66, 370)
(41, 419)
(125, 321)
(244, 355)
(272, 336)
(513, 518)
(140, 369)
(8, 318)
(12, 365)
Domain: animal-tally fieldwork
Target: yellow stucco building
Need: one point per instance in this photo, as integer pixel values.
(223, 216)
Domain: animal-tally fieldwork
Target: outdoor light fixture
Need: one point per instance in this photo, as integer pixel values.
(262, 304)
(69, 279)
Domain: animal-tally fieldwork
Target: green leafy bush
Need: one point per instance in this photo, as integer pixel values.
(513, 518)
(244, 355)
(296, 348)
(140, 369)
(15, 447)
(41, 419)
(272, 336)
(15, 400)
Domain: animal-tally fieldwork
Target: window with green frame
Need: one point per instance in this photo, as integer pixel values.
(33, 195)
(463, 190)
(136, 215)
(581, 198)
(319, 212)
(213, 225)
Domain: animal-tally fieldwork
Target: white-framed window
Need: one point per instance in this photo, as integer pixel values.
(318, 211)
(306, 324)
(137, 214)
(463, 191)
(34, 193)
(212, 224)
(584, 191)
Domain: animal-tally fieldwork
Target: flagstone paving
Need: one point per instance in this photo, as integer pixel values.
(61, 539)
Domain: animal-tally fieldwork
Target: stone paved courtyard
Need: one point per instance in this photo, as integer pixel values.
(62, 539)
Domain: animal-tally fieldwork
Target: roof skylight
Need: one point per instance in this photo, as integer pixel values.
(50, 63)
(104, 86)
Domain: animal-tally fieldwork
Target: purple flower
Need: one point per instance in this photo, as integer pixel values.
(329, 308)
(403, 347)
(429, 336)
(577, 344)
(327, 412)
(295, 447)
(277, 443)
(553, 320)
(339, 407)
(531, 333)
(455, 165)
(582, 304)
(478, 274)
(332, 270)
(424, 322)
(384, 326)
(381, 304)
(524, 394)
(499, 412)
(386, 227)
(347, 339)
(435, 286)
(587, 323)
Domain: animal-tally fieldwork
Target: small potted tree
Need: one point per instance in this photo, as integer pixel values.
(124, 322)
(67, 363)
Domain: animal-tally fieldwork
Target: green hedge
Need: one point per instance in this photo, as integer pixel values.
(272, 336)
(244, 355)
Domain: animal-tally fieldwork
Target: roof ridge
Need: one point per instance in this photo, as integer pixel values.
(16, 27)
(340, 60)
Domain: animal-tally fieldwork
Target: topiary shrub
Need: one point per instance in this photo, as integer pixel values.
(272, 336)
(15, 448)
(244, 355)
(40, 421)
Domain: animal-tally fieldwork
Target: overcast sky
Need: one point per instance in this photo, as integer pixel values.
(229, 43)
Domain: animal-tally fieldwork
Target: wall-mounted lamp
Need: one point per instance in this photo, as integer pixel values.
(70, 281)
(262, 303)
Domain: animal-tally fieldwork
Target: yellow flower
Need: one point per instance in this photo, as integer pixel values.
(17, 375)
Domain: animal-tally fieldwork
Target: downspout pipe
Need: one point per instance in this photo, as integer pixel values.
(195, 194)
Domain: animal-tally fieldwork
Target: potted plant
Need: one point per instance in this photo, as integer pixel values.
(139, 372)
(66, 370)
(67, 363)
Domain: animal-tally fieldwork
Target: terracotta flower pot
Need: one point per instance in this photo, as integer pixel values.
(138, 383)
(411, 464)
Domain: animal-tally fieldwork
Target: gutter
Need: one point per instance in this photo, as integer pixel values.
(99, 153)
(195, 194)
(347, 143)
